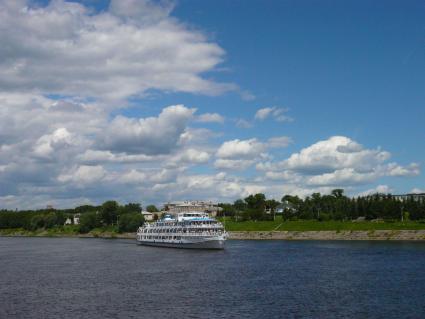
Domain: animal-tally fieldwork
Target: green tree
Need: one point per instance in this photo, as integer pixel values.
(130, 222)
(338, 192)
(88, 221)
(133, 207)
(37, 222)
(109, 212)
(152, 209)
(256, 205)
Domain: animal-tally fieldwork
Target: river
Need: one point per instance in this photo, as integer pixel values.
(101, 278)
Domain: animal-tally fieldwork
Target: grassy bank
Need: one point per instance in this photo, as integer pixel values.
(277, 225)
(313, 225)
(65, 231)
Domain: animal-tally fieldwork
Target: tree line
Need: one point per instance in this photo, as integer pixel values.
(333, 206)
(125, 218)
(128, 217)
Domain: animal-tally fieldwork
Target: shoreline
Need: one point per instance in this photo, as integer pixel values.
(349, 235)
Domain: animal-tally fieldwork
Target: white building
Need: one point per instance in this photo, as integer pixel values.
(415, 197)
(148, 216)
(192, 206)
(74, 220)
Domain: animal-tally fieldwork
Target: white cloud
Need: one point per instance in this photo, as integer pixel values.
(195, 156)
(326, 156)
(95, 156)
(233, 164)
(412, 169)
(276, 113)
(65, 48)
(417, 191)
(279, 142)
(83, 174)
(48, 143)
(381, 189)
(345, 176)
(149, 136)
(241, 149)
(210, 118)
(241, 154)
(337, 161)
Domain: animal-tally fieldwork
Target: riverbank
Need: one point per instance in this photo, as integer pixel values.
(413, 235)
(401, 235)
(64, 233)
(312, 225)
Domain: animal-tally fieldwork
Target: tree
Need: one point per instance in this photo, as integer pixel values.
(239, 205)
(130, 222)
(338, 192)
(152, 209)
(256, 205)
(37, 222)
(109, 212)
(133, 207)
(228, 209)
(89, 221)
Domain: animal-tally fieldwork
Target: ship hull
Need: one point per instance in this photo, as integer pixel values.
(207, 244)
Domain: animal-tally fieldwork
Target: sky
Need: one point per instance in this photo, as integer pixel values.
(155, 101)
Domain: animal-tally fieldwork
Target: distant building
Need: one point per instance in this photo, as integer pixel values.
(148, 216)
(416, 197)
(282, 207)
(74, 220)
(192, 206)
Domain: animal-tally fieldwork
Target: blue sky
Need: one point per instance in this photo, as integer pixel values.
(340, 86)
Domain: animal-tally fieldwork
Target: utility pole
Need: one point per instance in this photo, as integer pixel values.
(402, 213)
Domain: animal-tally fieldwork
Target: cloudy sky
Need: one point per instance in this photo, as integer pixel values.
(154, 101)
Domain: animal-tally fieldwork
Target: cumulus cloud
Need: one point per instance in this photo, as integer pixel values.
(149, 136)
(337, 161)
(326, 156)
(57, 148)
(49, 143)
(210, 118)
(83, 174)
(241, 149)
(233, 164)
(241, 154)
(66, 48)
(412, 169)
(194, 156)
(276, 113)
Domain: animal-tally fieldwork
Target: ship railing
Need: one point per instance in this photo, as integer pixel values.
(203, 234)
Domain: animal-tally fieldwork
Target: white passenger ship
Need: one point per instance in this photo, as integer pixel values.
(188, 230)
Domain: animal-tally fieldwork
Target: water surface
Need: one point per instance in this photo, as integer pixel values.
(98, 278)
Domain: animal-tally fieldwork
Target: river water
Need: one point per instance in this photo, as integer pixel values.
(100, 278)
